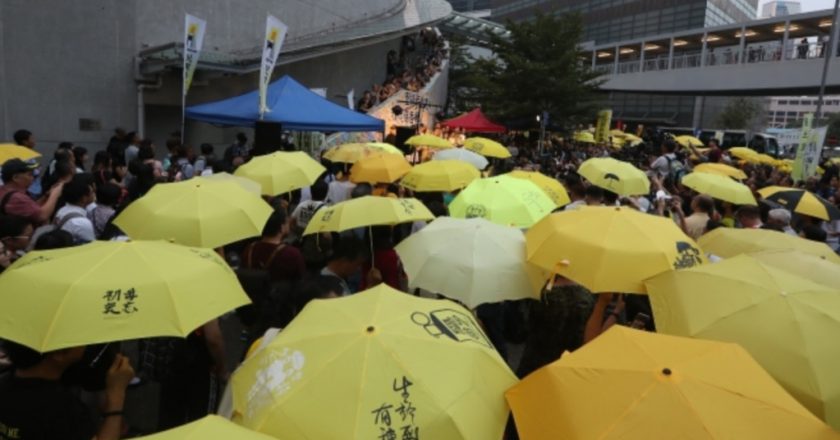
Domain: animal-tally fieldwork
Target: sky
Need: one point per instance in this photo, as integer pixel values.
(811, 5)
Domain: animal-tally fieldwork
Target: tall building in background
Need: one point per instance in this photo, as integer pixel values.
(779, 8)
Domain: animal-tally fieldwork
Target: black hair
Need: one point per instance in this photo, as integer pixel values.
(62, 147)
(361, 190)
(241, 137)
(79, 154)
(319, 190)
(346, 248)
(55, 239)
(437, 208)
(610, 197)
(814, 233)
(317, 287)
(75, 190)
(62, 153)
(102, 158)
(22, 357)
(706, 204)
(22, 136)
(670, 145)
(595, 192)
(61, 170)
(275, 223)
(381, 236)
(146, 151)
(12, 225)
(108, 194)
(206, 149)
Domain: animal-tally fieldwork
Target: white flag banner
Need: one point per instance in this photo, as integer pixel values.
(193, 39)
(275, 34)
(351, 99)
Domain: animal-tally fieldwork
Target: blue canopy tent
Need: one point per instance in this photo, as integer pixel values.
(291, 104)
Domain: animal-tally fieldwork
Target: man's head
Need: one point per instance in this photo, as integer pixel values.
(361, 190)
(779, 217)
(702, 203)
(319, 190)
(813, 233)
(108, 194)
(594, 196)
(17, 173)
(25, 358)
(347, 256)
(669, 146)
(713, 143)
(207, 149)
(24, 138)
(78, 191)
(749, 216)
(276, 225)
(241, 138)
(15, 232)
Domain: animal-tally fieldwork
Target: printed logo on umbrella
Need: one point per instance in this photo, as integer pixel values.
(454, 324)
(277, 372)
(687, 256)
(476, 211)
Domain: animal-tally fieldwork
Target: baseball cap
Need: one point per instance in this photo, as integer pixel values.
(12, 167)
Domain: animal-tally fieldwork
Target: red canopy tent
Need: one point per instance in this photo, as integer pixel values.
(474, 121)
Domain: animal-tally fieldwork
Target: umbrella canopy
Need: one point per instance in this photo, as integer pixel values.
(367, 211)
(429, 140)
(486, 147)
(801, 201)
(474, 122)
(381, 364)
(729, 242)
(721, 169)
(14, 151)
(584, 137)
(503, 200)
(762, 159)
(608, 249)
(197, 212)
(742, 152)
(475, 159)
(719, 187)
(282, 172)
(440, 176)
(291, 104)
(352, 153)
(780, 318)
(473, 261)
(629, 384)
(246, 183)
(109, 291)
(208, 428)
(379, 168)
(688, 141)
(614, 175)
(816, 269)
(552, 188)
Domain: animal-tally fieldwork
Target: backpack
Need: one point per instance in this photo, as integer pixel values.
(676, 171)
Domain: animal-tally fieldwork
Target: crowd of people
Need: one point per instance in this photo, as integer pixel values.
(419, 59)
(62, 203)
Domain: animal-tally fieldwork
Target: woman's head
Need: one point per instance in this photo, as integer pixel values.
(15, 232)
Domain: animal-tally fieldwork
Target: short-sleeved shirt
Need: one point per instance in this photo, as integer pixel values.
(304, 211)
(662, 164)
(79, 225)
(39, 409)
(20, 204)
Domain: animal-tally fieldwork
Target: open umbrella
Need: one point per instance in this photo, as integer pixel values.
(552, 188)
(720, 169)
(473, 261)
(688, 141)
(629, 384)
(208, 428)
(729, 242)
(440, 176)
(475, 159)
(816, 269)
(14, 151)
(782, 319)
(504, 200)
(377, 364)
(584, 137)
(109, 291)
(282, 172)
(614, 175)
(385, 148)
(719, 187)
(379, 168)
(743, 153)
(367, 211)
(609, 249)
(198, 212)
(486, 147)
(429, 140)
(246, 183)
(801, 201)
(352, 153)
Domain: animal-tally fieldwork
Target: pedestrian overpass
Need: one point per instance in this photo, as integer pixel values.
(776, 56)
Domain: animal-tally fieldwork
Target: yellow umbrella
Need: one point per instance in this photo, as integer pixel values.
(380, 364)
(729, 242)
(473, 261)
(721, 169)
(584, 137)
(688, 141)
(379, 168)
(617, 143)
(367, 211)
(551, 187)
(801, 201)
(282, 172)
(486, 147)
(743, 153)
(385, 148)
(614, 175)
(208, 428)
(14, 151)
(817, 269)
(629, 384)
(719, 187)
(246, 183)
(504, 200)
(429, 140)
(197, 212)
(440, 176)
(109, 291)
(610, 249)
(762, 159)
(629, 139)
(352, 153)
(782, 319)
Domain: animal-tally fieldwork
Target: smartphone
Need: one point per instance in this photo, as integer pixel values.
(640, 321)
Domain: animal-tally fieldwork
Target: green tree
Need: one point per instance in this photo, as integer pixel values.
(740, 114)
(537, 67)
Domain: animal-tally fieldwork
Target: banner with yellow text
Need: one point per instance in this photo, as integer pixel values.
(602, 127)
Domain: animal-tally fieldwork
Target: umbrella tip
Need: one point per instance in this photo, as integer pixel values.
(666, 371)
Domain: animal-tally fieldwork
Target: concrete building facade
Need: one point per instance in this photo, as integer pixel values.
(779, 8)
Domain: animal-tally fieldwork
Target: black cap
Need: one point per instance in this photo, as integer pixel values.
(12, 167)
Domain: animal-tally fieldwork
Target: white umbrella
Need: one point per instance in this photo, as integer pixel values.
(468, 156)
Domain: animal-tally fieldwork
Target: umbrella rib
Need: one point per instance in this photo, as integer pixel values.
(170, 295)
(364, 369)
(629, 408)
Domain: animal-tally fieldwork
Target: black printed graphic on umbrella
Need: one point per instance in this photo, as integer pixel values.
(611, 178)
(453, 324)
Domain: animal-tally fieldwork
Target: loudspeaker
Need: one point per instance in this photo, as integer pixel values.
(268, 137)
(403, 133)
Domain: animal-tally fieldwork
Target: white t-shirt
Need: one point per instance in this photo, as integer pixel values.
(339, 191)
(80, 226)
(304, 211)
(662, 164)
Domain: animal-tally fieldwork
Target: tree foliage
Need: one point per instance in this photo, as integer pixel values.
(537, 67)
(740, 114)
